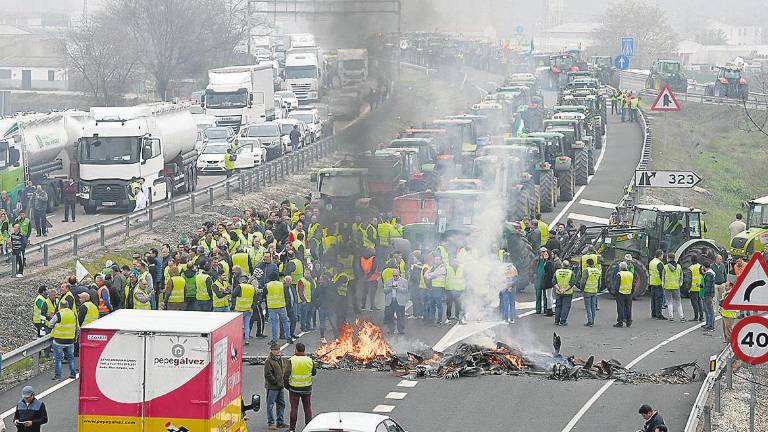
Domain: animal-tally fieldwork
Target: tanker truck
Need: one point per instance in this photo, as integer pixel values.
(38, 147)
(154, 142)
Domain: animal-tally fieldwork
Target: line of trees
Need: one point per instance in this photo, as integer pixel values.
(162, 40)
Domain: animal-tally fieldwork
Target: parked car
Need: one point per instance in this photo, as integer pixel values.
(352, 422)
(270, 136)
(211, 160)
(286, 126)
(290, 98)
(249, 152)
(312, 119)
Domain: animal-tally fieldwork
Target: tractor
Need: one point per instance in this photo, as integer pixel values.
(673, 229)
(578, 146)
(668, 72)
(730, 83)
(504, 170)
(602, 67)
(594, 121)
(559, 65)
(746, 243)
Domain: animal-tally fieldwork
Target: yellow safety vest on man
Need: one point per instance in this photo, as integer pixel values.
(383, 233)
(178, 285)
(544, 230)
(626, 281)
(306, 286)
(223, 301)
(298, 270)
(244, 301)
(634, 103)
(654, 276)
(455, 278)
(139, 304)
(586, 257)
(346, 263)
(695, 277)
(275, 295)
(342, 289)
(301, 371)
(201, 282)
(563, 278)
(672, 277)
(242, 260)
(725, 312)
(439, 281)
(593, 280)
(37, 311)
(91, 313)
(229, 164)
(66, 327)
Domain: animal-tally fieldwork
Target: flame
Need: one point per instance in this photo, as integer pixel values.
(432, 360)
(362, 343)
(515, 360)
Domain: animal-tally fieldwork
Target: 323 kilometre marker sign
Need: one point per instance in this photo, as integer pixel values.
(749, 340)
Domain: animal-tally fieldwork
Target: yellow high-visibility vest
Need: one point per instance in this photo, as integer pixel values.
(672, 277)
(244, 301)
(66, 327)
(695, 277)
(563, 278)
(91, 313)
(455, 278)
(201, 284)
(301, 371)
(275, 295)
(241, 259)
(178, 284)
(307, 289)
(593, 280)
(654, 276)
(219, 302)
(625, 286)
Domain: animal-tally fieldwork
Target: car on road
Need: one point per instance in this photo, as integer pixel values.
(270, 136)
(211, 160)
(289, 98)
(286, 125)
(311, 118)
(352, 422)
(249, 152)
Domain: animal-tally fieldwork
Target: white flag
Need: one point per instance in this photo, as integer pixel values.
(80, 271)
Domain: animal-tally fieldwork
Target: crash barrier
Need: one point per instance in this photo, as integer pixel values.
(700, 418)
(245, 181)
(31, 350)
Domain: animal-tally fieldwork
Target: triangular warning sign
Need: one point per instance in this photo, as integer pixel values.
(665, 101)
(750, 292)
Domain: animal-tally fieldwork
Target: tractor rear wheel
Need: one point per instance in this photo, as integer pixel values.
(566, 183)
(591, 166)
(521, 251)
(547, 191)
(704, 252)
(581, 167)
(640, 283)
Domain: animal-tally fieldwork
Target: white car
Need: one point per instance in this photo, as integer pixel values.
(352, 422)
(289, 98)
(211, 160)
(286, 126)
(270, 136)
(312, 119)
(249, 153)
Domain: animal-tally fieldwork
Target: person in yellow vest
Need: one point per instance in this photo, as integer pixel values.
(304, 288)
(729, 316)
(221, 292)
(341, 281)
(695, 290)
(276, 303)
(455, 285)
(298, 375)
(623, 283)
(242, 259)
(634, 108)
(655, 272)
(591, 283)
(383, 231)
(243, 295)
(672, 279)
(369, 279)
(436, 276)
(563, 281)
(42, 309)
(229, 162)
(203, 288)
(175, 287)
(141, 296)
(294, 268)
(64, 331)
(87, 312)
(543, 229)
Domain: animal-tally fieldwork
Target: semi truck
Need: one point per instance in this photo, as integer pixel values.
(38, 147)
(118, 145)
(239, 95)
(302, 76)
(353, 66)
(144, 370)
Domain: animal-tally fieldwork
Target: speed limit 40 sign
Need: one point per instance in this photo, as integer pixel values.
(749, 340)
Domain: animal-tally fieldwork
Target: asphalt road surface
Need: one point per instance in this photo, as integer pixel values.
(501, 402)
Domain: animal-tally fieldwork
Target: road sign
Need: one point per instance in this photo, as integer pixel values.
(750, 292)
(621, 62)
(628, 46)
(666, 179)
(403, 44)
(666, 100)
(749, 339)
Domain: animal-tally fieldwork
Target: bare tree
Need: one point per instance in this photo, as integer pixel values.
(755, 106)
(96, 51)
(173, 37)
(654, 37)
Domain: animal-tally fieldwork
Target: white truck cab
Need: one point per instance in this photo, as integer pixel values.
(302, 76)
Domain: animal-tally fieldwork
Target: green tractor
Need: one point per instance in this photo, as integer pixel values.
(604, 70)
(577, 145)
(588, 106)
(673, 229)
(504, 170)
(746, 243)
(669, 72)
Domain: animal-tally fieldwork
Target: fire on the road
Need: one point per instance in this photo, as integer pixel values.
(361, 342)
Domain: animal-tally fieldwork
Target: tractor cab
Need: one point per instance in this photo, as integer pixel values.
(342, 192)
(730, 82)
(480, 126)
(668, 226)
(495, 122)
(410, 167)
(746, 243)
(426, 155)
(463, 133)
(669, 72)
(458, 210)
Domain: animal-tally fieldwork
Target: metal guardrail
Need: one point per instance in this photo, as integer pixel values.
(701, 412)
(245, 181)
(32, 349)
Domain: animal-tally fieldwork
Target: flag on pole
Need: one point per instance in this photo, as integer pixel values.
(519, 128)
(80, 271)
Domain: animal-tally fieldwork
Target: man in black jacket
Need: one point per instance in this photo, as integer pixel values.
(30, 412)
(652, 418)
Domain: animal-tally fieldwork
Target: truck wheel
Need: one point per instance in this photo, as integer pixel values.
(547, 191)
(89, 208)
(567, 185)
(581, 167)
(591, 165)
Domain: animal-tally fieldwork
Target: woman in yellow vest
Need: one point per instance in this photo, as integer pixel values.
(141, 299)
(695, 290)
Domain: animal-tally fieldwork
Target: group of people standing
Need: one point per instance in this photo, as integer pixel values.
(625, 104)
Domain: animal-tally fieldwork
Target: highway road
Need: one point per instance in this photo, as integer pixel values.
(502, 402)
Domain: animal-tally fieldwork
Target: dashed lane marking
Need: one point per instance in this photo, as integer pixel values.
(383, 408)
(396, 395)
(588, 218)
(407, 383)
(601, 204)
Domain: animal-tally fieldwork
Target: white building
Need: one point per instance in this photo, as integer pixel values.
(739, 34)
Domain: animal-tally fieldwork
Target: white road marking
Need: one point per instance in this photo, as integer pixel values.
(285, 345)
(588, 218)
(407, 383)
(601, 204)
(41, 395)
(383, 408)
(581, 188)
(395, 395)
(571, 424)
